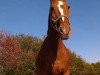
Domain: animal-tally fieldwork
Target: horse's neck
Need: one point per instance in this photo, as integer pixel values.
(52, 33)
(53, 44)
(54, 40)
(53, 37)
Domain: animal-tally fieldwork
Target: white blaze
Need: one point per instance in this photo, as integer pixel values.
(60, 9)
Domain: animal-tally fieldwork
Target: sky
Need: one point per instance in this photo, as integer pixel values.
(31, 17)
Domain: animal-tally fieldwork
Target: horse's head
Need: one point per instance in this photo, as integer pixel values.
(59, 17)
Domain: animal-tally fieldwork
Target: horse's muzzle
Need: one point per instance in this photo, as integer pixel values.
(64, 37)
(64, 34)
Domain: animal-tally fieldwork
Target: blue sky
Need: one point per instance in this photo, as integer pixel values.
(31, 17)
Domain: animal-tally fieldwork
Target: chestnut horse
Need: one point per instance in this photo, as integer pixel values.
(53, 57)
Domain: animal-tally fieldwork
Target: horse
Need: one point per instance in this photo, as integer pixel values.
(53, 57)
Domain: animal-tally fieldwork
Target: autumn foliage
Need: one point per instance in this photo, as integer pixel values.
(9, 51)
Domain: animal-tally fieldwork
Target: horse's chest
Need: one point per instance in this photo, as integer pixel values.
(58, 67)
(60, 63)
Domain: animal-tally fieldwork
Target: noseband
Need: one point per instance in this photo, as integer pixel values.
(54, 23)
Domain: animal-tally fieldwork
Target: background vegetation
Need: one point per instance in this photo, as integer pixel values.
(17, 56)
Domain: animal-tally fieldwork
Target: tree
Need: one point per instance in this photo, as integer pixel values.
(88, 69)
(29, 48)
(9, 51)
(96, 68)
(76, 64)
(29, 43)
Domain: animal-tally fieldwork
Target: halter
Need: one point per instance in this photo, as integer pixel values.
(54, 23)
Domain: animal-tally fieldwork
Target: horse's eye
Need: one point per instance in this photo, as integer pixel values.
(52, 8)
(68, 7)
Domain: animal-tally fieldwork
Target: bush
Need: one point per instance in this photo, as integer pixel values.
(9, 52)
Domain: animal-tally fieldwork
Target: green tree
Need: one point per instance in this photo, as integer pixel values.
(96, 68)
(29, 43)
(1, 70)
(76, 64)
(88, 69)
(29, 48)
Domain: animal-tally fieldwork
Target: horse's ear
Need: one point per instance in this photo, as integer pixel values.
(57, 0)
(65, 0)
(51, 2)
